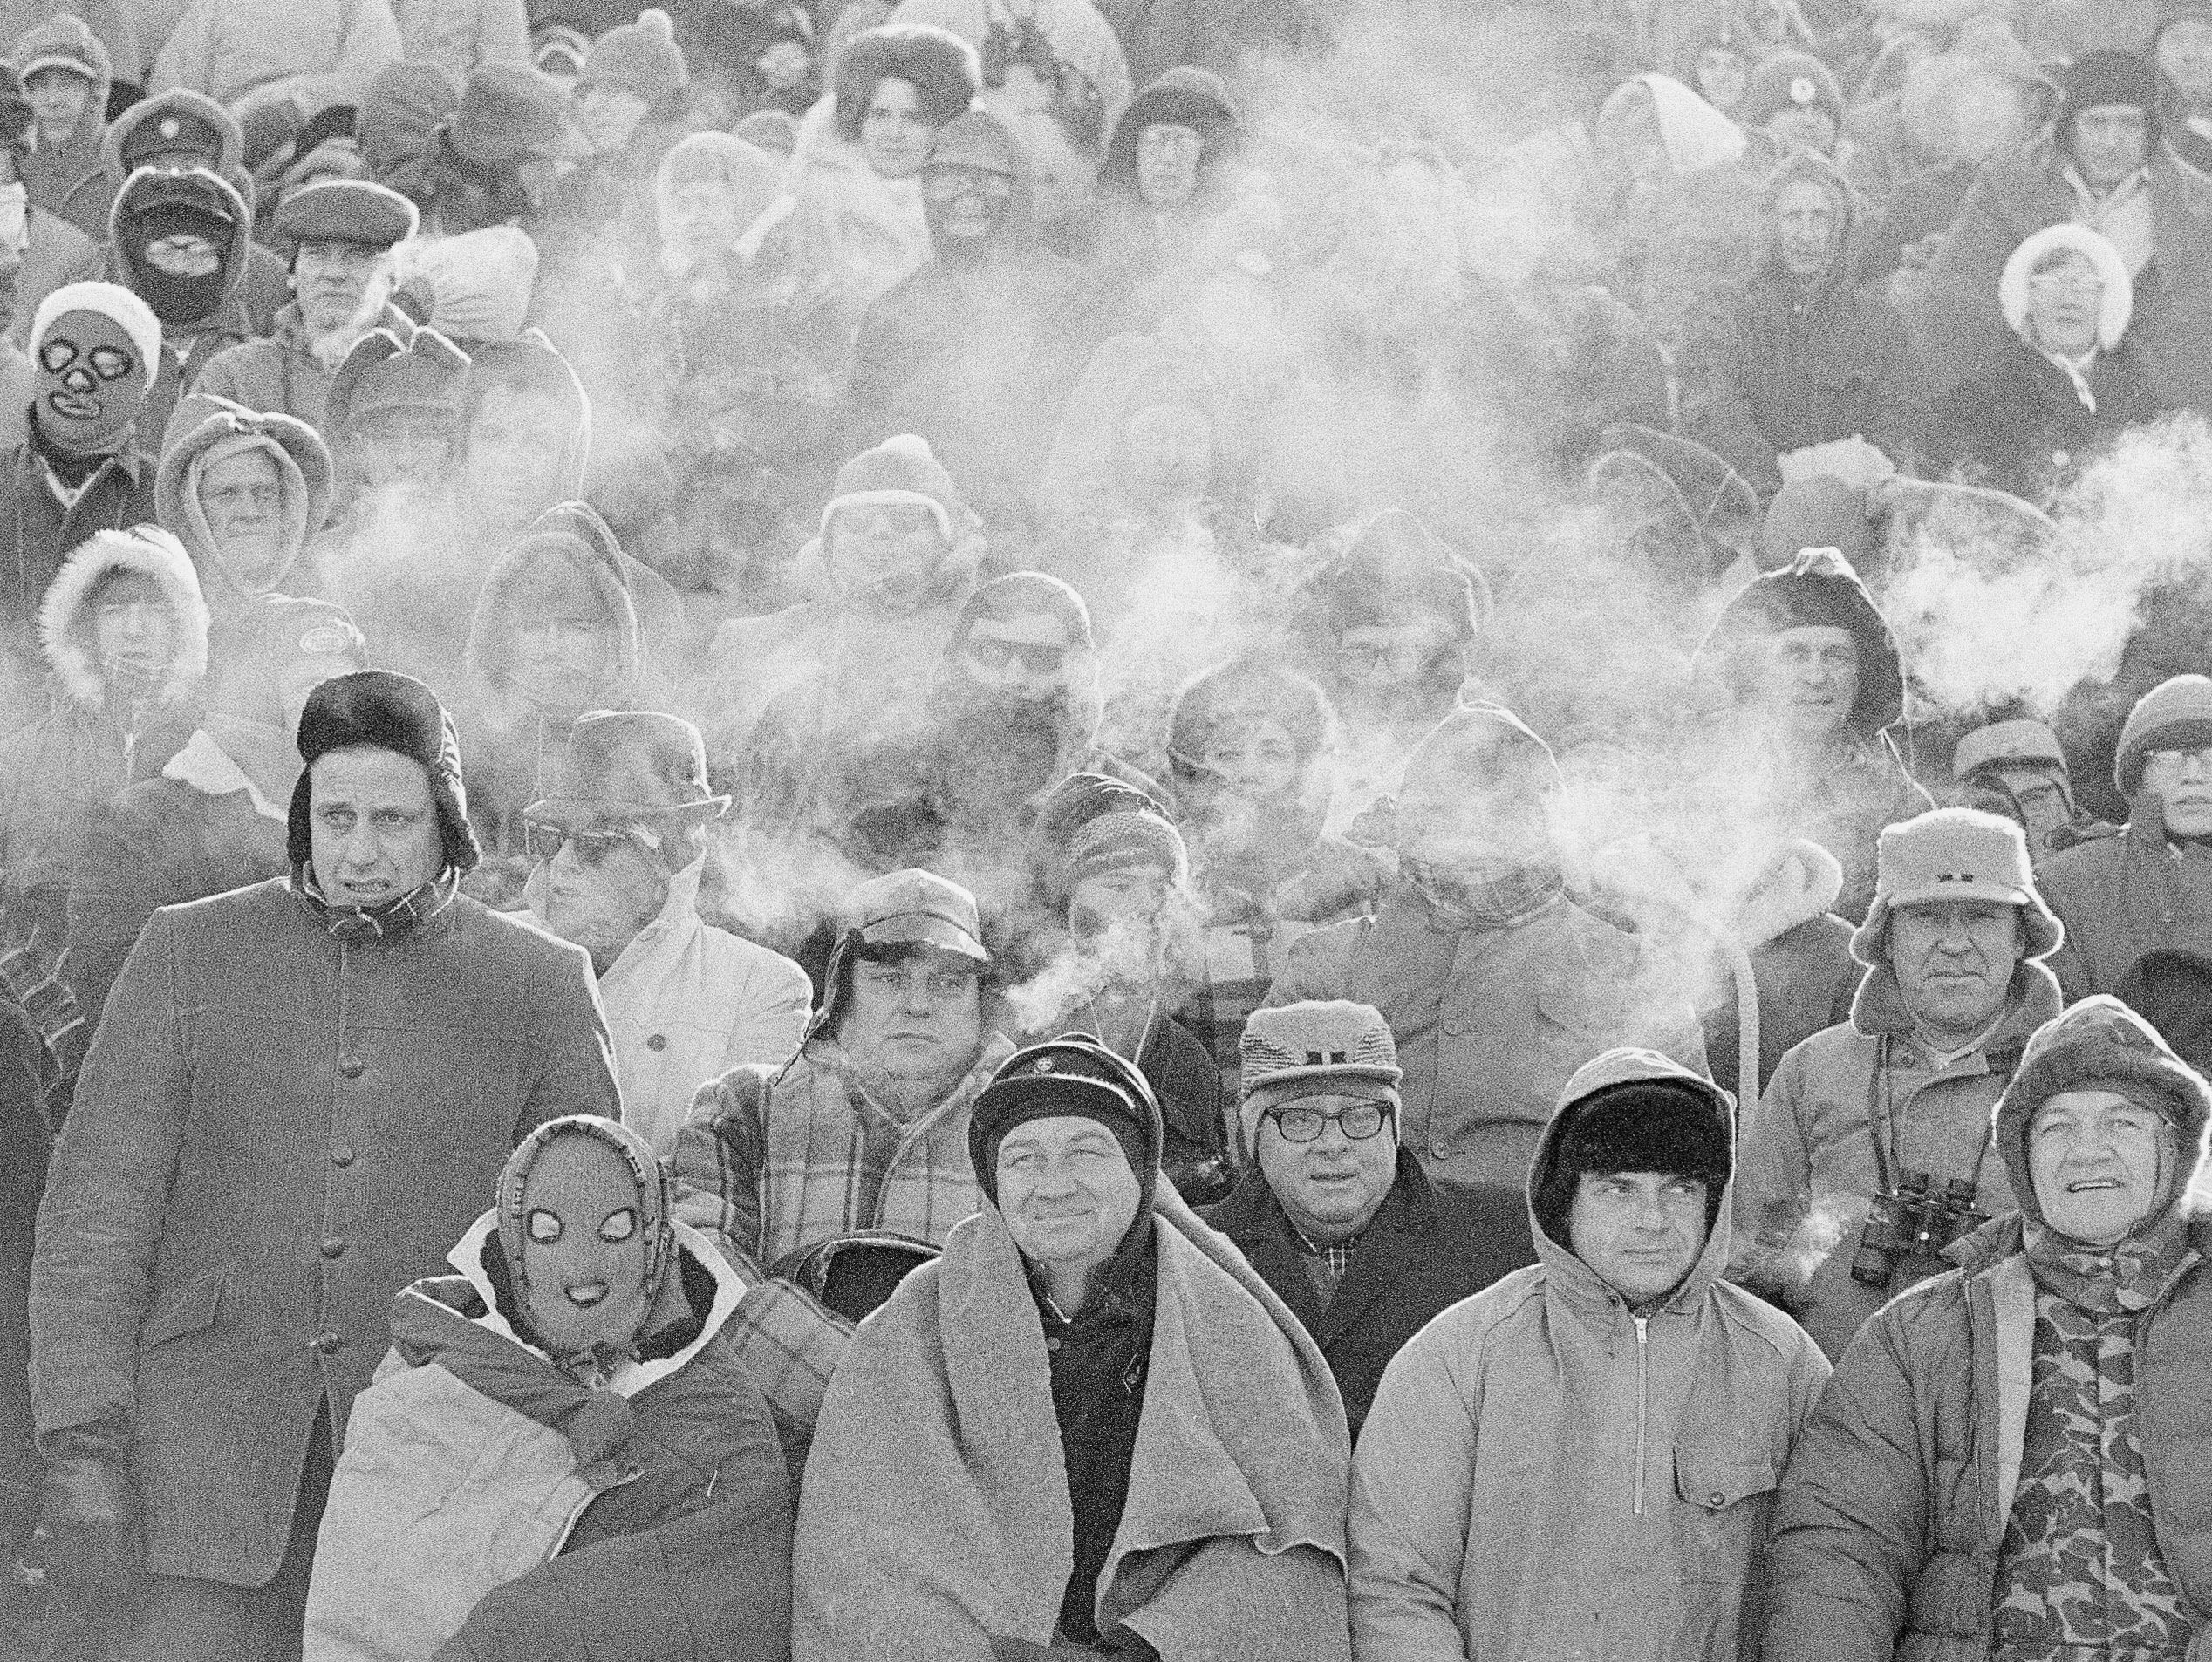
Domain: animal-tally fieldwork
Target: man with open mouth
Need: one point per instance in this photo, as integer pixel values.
(2025, 1433)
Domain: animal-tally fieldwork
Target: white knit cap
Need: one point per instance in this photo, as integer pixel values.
(111, 300)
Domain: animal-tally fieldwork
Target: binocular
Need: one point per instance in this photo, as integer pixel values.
(1916, 1219)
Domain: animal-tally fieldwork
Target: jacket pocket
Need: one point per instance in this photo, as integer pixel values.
(1725, 1492)
(188, 1309)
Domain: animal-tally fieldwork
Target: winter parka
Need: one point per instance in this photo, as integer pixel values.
(276, 1129)
(1890, 1523)
(1807, 1172)
(1490, 1022)
(55, 771)
(488, 1507)
(2126, 894)
(1548, 1472)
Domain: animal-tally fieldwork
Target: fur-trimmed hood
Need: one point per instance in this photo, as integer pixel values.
(64, 622)
(2099, 1043)
(567, 535)
(303, 464)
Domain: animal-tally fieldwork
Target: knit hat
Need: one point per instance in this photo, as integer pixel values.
(587, 1234)
(508, 111)
(2176, 714)
(1816, 590)
(631, 765)
(178, 128)
(2097, 79)
(640, 58)
(1791, 80)
(900, 470)
(382, 373)
(2117, 303)
(394, 712)
(1092, 824)
(111, 300)
(2023, 739)
(1954, 853)
(347, 210)
(63, 41)
(1633, 1110)
(2100, 1044)
(1074, 1075)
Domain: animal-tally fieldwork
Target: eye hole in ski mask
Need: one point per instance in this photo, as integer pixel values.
(583, 1268)
(90, 384)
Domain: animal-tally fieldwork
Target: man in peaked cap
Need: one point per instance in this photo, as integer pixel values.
(341, 234)
(621, 846)
(1334, 1214)
(217, 1266)
(865, 1129)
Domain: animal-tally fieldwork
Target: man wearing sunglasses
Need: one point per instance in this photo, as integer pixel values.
(1361, 1245)
(620, 850)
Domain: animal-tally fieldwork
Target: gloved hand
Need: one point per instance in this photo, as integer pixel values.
(90, 1519)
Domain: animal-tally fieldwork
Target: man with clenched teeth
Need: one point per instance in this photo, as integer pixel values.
(303, 1091)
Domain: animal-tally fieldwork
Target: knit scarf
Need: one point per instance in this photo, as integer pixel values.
(1491, 895)
(351, 925)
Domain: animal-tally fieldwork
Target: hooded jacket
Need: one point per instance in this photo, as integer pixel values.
(1547, 1471)
(277, 373)
(522, 744)
(1843, 798)
(304, 466)
(1785, 365)
(55, 771)
(2125, 894)
(187, 343)
(1890, 1522)
(653, 1516)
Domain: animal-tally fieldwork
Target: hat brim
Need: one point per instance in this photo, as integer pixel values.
(567, 811)
(1283, 1084)
(54, 60)
(923, 929)
(2043, 932)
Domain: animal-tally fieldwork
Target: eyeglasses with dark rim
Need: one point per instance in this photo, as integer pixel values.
(1358, 1123)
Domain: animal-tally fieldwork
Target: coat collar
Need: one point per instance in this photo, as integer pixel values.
(1395, 1238)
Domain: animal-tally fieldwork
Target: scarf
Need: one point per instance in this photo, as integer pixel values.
(351, 925)
(1491, 895)
(2128, 1276)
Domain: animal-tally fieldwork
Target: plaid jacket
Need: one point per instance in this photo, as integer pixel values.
(774, 1162)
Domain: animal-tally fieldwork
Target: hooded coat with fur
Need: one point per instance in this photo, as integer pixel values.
(55, 771)
(2126, 894)
(303, 464)
(1889, 1526)
(1784, 362)
(1547, 1471)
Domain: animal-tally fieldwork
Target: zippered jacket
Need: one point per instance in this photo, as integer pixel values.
(1548, 1474)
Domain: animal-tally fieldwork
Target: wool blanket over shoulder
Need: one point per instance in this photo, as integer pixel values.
(934, 1516)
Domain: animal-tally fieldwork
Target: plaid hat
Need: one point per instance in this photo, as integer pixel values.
(2176, 714)
(1307, 1049)
(1073, 1074)
(1954, 853)
(394, 712)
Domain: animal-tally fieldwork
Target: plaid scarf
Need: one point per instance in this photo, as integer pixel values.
(1496, 895)
(350, 925)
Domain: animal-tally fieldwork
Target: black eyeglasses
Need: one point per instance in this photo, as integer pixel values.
(1358, 1123)
(545, 842)
(1041, 658)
